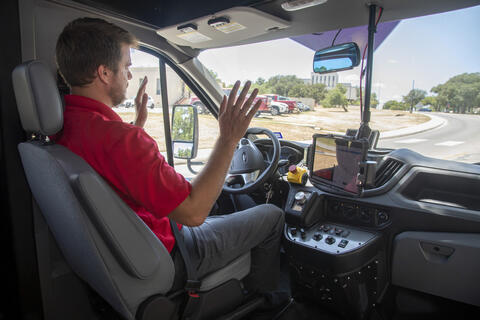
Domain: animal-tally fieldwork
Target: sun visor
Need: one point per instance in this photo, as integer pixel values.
(359, 35)
(223, 28)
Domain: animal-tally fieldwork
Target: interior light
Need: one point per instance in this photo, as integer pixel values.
(300, 4)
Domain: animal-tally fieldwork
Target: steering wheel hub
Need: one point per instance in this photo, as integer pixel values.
(248, 170)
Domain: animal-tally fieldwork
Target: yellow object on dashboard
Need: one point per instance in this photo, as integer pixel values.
(297, 175)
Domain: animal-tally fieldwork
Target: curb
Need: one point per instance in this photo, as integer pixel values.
(434, 123)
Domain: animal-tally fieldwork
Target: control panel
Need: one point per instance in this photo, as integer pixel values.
(328, 237)
(358, 214)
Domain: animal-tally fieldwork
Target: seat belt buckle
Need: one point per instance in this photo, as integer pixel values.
(192, 287)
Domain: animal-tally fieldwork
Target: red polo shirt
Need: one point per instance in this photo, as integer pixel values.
(128, 159)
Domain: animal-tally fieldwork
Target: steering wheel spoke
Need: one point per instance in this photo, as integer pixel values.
(249, 169)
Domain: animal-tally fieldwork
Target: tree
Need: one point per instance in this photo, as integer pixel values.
(260, 81)
(460, 93)
(394, 105)
(317, 92)
(336, 97)
(299, 90)
(432, 101)
(282, 84)
(374, 100)
(414, 97)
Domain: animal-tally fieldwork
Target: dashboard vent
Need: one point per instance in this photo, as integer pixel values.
(388, 169)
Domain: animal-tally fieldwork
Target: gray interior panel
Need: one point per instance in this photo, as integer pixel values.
(442, 264)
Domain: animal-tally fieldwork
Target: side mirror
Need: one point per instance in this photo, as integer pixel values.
(184, 131)
(340, 57)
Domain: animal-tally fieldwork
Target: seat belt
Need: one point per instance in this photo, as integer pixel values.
(192, 284)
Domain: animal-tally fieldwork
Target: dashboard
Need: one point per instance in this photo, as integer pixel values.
(417, 225)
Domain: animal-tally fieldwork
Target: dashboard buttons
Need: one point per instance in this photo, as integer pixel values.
(330, 240)
(317, 236)
(343, 243)
(338, 231)
(326, 228)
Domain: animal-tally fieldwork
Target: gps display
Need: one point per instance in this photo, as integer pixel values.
(336, 162)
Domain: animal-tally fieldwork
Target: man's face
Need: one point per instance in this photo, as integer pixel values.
(119, 86)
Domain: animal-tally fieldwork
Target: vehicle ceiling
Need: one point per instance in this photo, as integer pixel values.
(332, 15)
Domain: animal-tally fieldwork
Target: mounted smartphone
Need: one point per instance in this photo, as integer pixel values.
(336, 163)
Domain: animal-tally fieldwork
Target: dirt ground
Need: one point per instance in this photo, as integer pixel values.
(299, 127)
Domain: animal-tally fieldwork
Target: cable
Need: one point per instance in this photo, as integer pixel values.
(362, 71)
(333, 42)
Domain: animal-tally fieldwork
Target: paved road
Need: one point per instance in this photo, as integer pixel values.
(458, 139)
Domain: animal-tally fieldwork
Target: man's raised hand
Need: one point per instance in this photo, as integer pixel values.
(236, 113)
(141, 100)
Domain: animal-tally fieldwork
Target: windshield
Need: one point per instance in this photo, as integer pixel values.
(425, 89)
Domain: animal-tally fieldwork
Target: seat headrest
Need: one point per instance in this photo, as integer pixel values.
(38, 100)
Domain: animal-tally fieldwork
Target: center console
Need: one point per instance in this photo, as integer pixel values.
(336, 256)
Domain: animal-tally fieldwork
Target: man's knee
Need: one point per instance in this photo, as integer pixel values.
(273, 214)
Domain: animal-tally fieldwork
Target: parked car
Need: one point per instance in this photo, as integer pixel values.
(292, 104)
(131, 102)
(303, 107)
(425, 109)
(277, 108)
(195, 101)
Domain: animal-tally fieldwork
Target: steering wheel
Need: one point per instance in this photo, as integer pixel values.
(248, 167)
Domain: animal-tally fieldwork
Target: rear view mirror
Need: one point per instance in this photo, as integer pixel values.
(184, 131)
(341, 57)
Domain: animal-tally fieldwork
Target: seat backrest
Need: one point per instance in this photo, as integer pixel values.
(102, 239)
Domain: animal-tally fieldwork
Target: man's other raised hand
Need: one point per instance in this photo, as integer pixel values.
(236, 113)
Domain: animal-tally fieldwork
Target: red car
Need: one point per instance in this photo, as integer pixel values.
(292, 105)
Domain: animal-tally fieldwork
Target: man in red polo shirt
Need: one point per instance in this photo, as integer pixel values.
(93, 57)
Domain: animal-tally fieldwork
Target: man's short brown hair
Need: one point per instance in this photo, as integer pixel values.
(87, 43)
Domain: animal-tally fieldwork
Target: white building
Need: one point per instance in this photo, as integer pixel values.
(329, 80)
(175, 86)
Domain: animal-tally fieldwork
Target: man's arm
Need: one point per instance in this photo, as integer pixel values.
(234, 118)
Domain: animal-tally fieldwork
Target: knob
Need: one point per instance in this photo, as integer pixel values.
(382, 216)
(317, 236)
(303, 234)
(300, 197)
(293, 231)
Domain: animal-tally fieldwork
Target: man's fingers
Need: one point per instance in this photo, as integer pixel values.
(223, 105)
(243, 94)
(144, 84)
(254, 110)
(250, 99)
(233, 94)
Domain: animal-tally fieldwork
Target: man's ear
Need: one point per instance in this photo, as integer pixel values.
(104, 74)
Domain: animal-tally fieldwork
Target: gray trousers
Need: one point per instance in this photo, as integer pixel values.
(221, 239)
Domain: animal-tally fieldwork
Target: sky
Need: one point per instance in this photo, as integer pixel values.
(423, 52)
(420, 52)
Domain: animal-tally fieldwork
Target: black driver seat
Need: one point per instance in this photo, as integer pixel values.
(102, 239)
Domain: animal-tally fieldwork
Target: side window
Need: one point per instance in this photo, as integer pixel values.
(144, 64)
(178, 93)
